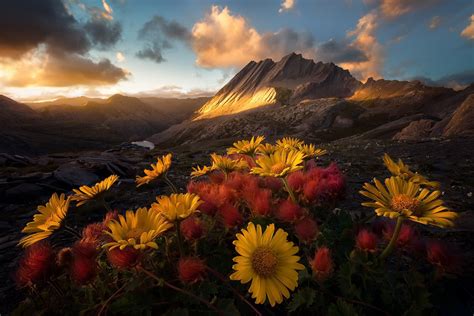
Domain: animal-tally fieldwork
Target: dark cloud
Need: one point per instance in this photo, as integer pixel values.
(339, 52)
(287, 40)
(158, 35)
(103, 33)
(47, 30)
(456, 81)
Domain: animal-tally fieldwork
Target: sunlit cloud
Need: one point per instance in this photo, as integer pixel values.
(287, 5)
(468, 32)
(120, 57)
(434, 22)
(108, 10)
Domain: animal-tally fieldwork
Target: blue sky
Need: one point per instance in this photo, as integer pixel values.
(393, 39)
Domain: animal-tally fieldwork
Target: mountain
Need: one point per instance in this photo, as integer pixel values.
(177, 109)
(290, 80)
(12, 112)
(76, 101)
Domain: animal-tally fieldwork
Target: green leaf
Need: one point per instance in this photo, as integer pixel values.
(303, 298)
(341, 308)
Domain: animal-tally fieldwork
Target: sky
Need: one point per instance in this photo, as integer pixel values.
(189, 48)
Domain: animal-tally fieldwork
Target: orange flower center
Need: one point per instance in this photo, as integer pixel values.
(403, 202)
(278, 167)
(264, 261)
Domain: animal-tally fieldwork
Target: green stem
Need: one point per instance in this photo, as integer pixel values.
(180, 238)
(394, 239)
(288, 189)
(170, 184)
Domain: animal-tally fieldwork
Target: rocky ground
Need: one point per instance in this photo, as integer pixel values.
(26, 182)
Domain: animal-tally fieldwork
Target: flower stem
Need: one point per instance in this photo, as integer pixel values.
(72, 231)
(170, 184)
(288, 189)
(240, 296)
(394, 239)
(180, 238)
(182, 291)
(105, 204)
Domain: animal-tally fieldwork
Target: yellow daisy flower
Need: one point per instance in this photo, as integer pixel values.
(86, 193)
(266, 149)
(402, 170)
(267, 259)
(226, 164)
(159, 168)
(279, 164)
(48, 220)
(136, 229)
(400, 197)
(311, 151)
(198, 171)
(246, 147)
(289, 143)
(176, 206)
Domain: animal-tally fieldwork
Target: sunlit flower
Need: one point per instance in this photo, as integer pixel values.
(279, 164)
(311, 151)
(246, 147)
(48, 220)
(403, 171)
(266, 149)
(158, 169)
(86, 193)
(267, 259)
(191, 270)
(176, 206)
(226, 164)
(322, 264)
(200, 171)
(289, 143)
(35, 265)
(400, 197)
(136, 229)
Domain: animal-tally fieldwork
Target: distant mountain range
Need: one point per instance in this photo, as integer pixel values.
(296, 96)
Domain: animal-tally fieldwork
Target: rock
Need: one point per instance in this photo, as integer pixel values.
(25, 190)
(416, 130)
(462, 122)
(75, 175)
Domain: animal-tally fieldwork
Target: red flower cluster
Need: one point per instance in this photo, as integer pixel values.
(123, 258)
(322, 264)
(84, 265)
(288, 211)
(192, 228)
(36, 264)
(94, 233)
(191, 270)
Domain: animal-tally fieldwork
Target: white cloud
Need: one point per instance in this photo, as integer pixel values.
(120, 57)
(287, 5)
(468, 32)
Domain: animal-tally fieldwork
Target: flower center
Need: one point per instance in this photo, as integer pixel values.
(278, 167)
(264, 261)
(403, 202)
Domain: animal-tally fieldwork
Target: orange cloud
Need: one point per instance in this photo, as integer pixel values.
(287, 5)
(468, 32)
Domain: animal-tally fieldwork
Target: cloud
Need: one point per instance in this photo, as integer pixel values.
(159, 35)
(107, 8)
(364, 40)
(174, 91)
(222, 40)
(340, 52)
(457, 81)
(434, 22)
(287, 5)
(468, 32)
(391, 9)
(50, 47)
(120, 57)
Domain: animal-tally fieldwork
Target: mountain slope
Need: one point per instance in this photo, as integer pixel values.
(12, 112)
(290, 80)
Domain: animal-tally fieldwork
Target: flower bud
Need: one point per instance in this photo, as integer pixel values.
(192, 228)
(123, 258)
(306, 229)
(366, 241)
(322, 264)
(191, 270)
(36, 264)
(288, 211)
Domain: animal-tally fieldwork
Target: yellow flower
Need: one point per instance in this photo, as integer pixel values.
(48, 220)
(162, 166)
(279, 164)
(226, 164)
(289, 143)
(267, 259)
(86, 193)
(176, 206)
(402, 170)
(400, 197)
(198, 171)
(266, 149)
(246, 147)
(136, 229)
(311, 151)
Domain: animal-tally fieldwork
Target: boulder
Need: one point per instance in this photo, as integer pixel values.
(462, 122)
(74, 174)
(416, 130)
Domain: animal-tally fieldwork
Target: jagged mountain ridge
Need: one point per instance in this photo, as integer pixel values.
(262, 83)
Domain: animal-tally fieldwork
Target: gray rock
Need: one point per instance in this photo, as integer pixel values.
(25, 190)
(75, 175)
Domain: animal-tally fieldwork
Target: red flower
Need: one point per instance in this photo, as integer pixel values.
(272, 183)
(322, 264)
(84, 266)
(306, 229)
(296, 180)
(407, 236)
(192, 228)
(442, 256)
(36, 264)
(85, 249)
(123, 259)
(208, 208)
(366, 241)
(191, 270)
(311, 189)
(288, 211)
(259, 201)
(64, 257)
(230, 216)
(92, 233)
